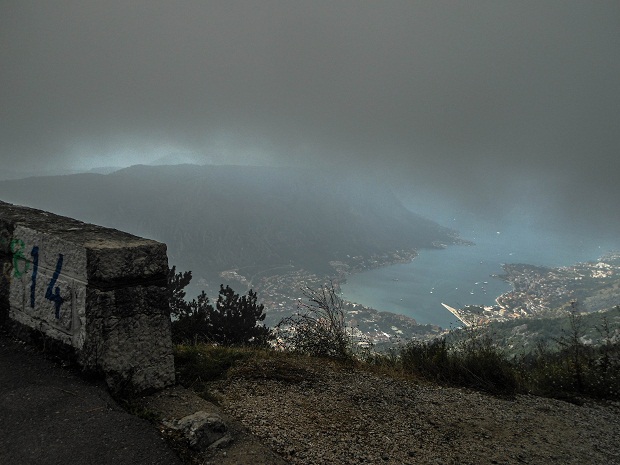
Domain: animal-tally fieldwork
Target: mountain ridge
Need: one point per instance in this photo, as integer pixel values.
(222, 217)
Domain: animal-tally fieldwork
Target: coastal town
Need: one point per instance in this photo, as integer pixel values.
(543, 292)
(537, 292)
(281, 290)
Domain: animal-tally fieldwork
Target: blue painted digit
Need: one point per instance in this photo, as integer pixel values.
(50, 293)
(35, 262)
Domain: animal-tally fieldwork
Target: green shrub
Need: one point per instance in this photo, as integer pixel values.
(557, 374)
(319, 329)
(201, 363)
(575, 369)
(474, 362)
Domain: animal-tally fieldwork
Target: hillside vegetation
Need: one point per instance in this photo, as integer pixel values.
(318, 411)
(416, 404)
(569, 365)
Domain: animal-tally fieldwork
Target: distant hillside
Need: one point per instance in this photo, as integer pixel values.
(221, 217)
(8, 174)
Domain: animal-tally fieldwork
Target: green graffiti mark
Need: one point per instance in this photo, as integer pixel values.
(17, 247)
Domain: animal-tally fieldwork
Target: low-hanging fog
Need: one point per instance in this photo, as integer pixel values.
(506, 110)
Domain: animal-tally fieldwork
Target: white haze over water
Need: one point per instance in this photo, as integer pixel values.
(462, 275)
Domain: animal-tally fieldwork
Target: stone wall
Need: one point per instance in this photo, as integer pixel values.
(99, 291)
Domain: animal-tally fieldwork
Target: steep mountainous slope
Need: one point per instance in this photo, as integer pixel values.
(221, 217)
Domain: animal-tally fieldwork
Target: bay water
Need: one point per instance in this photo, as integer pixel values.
(463, 275)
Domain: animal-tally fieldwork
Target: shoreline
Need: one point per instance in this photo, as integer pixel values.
(431, 309)
(371, 262)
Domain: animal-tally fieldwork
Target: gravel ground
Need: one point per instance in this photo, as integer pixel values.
(318, 413)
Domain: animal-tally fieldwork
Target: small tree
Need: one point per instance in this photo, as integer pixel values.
(574, 347)
(232, 322)
(190, 320)
(234, 319)
(193, 325)
(319, 329)
(176, 291)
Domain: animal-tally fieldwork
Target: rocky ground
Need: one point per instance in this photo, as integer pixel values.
(317, 412)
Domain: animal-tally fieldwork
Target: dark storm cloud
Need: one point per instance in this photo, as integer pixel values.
(493, 101)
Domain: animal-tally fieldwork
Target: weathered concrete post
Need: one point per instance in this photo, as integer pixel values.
(98, 290)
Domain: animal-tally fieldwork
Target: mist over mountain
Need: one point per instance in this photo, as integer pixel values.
(221, 217)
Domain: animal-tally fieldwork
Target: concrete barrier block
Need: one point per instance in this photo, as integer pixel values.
(98, 290)
(120, 325)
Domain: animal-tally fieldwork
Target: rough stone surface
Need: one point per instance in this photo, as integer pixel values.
(97, 290)
(202, 430)
(237, 447)
(335, 416)
(128, 336)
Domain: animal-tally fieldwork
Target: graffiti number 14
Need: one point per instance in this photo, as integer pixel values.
(52, 294)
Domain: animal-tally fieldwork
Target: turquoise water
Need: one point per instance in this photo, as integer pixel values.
(462, 275)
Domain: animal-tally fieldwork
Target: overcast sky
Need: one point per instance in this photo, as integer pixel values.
(491, 104)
